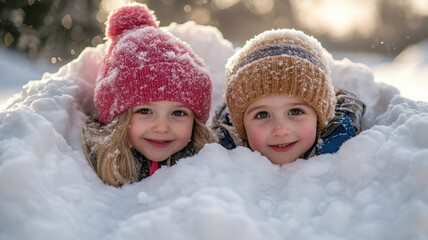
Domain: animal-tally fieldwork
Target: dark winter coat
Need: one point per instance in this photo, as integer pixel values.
(345, 124)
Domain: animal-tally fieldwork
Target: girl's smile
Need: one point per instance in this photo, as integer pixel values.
(159, 129)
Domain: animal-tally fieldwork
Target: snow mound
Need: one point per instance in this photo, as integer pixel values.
(375, 187)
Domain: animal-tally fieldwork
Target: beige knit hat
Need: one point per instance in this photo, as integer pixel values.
(279, 62)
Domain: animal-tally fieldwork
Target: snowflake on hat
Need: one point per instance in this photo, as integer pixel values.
(146, 64)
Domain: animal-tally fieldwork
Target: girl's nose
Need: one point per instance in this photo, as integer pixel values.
(160, 126)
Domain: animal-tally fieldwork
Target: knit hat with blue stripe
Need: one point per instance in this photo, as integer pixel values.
(279, 62)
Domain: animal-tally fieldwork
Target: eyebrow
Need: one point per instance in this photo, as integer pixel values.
(253, 109)
(290, 104)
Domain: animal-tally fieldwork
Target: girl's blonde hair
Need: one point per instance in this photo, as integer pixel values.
(108, 150)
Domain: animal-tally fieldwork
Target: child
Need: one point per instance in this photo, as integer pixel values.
(281, 100)
(152, 100)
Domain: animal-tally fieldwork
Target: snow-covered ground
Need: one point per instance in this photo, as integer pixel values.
(16, 71)
(375, 187)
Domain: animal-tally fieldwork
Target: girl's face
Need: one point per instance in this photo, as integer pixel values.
(282, 128)
(159, 129)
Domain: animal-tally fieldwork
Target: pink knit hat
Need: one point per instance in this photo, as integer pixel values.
(145, 64)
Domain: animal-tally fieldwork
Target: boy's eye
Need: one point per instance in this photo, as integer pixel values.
(179, 113)
(143, 111)
(262, 115)
(295, 111)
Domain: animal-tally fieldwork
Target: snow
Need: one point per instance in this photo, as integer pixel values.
(375, 187)
(407, 72)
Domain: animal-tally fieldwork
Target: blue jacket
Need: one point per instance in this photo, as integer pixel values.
(344, 125)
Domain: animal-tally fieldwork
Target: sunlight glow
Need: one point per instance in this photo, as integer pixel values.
(110, 5)
(223, 4)
(200, 15)
(420, 7)
(339, 18)
(261, 7)
(106, 6)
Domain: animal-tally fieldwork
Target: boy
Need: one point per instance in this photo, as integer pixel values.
(280, 100)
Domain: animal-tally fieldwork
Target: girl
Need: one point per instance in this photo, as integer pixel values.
(281, 102)
(152, 100)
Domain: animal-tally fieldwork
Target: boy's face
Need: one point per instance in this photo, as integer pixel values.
(159, 129)
(282, 128)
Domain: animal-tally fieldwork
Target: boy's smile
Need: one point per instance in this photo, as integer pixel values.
(282, 128)
(283, 147)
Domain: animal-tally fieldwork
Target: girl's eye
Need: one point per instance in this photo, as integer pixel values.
(262, 115)
(143, 111)
(295, 111)
(179, 113)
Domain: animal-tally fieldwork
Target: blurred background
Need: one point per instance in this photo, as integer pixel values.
(56, 31)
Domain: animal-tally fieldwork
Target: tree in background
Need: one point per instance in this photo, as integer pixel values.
(51, 30)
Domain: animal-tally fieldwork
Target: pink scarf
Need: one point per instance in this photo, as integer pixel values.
(153, 167)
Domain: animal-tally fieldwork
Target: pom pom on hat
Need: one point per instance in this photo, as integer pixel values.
(146, 64)
(129, 17)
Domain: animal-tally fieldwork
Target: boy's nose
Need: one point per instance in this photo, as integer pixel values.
(282, 128)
